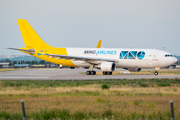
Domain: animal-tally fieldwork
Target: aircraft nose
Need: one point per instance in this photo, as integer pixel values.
(175, 60)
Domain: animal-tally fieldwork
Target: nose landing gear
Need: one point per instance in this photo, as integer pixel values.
(156, 73)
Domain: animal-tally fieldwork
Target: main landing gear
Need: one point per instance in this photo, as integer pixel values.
(94, 73)
(91, 73)
(107, 73)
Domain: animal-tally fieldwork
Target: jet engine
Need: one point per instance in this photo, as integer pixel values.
(133, 69)
(106, 66)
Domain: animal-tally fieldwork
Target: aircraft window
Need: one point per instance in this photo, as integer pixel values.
(167, 55)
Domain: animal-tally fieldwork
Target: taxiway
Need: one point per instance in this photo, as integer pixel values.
(68, 74)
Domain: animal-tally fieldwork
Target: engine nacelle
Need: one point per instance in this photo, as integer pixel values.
(107, 66)
(134, 69)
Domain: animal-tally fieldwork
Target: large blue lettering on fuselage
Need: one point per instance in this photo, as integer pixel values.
(102, 52)
(132, 55)
(106, 52)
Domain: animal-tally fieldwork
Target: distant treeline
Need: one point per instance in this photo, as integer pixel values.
(25, 62)
(39, 61)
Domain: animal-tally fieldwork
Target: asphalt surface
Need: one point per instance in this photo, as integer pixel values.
(68, 74)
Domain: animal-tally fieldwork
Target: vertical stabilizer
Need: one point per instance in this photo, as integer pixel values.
(30, 37)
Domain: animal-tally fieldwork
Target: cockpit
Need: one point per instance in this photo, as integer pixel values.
(169, 55)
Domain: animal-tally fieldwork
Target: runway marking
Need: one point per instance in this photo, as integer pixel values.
(24, 77)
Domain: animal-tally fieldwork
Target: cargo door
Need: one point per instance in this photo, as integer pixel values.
(155, 56)
(155, 59)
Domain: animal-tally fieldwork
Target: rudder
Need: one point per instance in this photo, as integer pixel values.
(30, 37)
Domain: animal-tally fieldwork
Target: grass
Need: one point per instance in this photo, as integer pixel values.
(6, 69)
(125, 99)
(105, 86)
(75, 83)
(108, 114)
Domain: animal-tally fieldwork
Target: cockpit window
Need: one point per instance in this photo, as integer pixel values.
(168, 55)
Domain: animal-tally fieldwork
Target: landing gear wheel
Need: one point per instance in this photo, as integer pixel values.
(91, 73)
(104, 73)
(156, 73)
(107, 73)
(88, 73)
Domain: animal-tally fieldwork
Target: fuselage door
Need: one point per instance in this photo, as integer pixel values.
(155, 56)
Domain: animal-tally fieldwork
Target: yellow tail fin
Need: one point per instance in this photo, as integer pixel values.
(30, 37)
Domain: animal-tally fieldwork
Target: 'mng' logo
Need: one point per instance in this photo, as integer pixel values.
(132, 55)
(90, 52)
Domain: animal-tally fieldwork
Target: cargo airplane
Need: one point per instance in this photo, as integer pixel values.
(105, 59)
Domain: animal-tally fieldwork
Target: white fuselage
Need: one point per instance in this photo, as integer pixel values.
(127, 58)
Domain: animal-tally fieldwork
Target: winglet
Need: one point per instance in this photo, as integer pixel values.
(99, 44)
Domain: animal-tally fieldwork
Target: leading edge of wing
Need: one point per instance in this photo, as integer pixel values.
(66, 57)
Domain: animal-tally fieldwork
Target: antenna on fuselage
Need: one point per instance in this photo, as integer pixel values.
(164, 48)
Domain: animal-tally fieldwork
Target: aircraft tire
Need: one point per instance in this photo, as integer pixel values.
(91, 73)
(156, 73)
(94, 72)
(107, 73)
(104, 73)
(88, 73)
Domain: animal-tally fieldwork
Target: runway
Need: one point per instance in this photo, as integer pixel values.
(68, 74)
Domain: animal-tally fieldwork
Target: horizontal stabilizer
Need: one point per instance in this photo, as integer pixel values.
(31, 51)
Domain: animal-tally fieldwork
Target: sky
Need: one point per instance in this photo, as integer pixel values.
(82, 23)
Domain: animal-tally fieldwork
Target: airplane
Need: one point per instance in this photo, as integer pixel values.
(105, 59)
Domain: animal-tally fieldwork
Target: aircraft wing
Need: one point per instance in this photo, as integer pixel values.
(87, 59)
